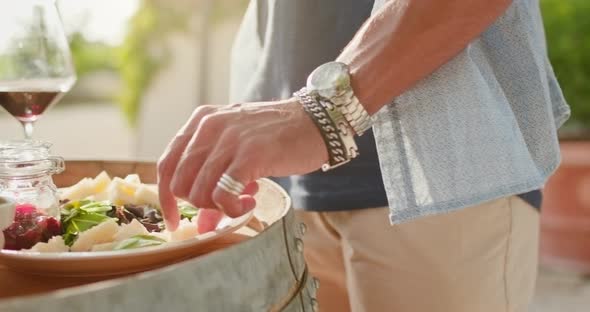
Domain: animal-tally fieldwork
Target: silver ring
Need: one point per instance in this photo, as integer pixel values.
(230, 185)
(231, 181)
(224, 186)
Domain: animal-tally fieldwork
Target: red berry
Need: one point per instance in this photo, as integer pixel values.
(30, 227)
(25, 208)
(53, 226)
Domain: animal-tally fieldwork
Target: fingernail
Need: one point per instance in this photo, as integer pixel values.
(247, 203)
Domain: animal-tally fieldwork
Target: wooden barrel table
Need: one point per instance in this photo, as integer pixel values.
(266, 272)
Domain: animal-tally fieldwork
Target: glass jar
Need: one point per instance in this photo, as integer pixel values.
(26, 170)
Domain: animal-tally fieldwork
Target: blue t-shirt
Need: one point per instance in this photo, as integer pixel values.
(355, 185)
(309, 34)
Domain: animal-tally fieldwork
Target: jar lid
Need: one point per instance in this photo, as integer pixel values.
(28, 158)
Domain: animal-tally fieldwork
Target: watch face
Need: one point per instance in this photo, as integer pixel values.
(329, 79)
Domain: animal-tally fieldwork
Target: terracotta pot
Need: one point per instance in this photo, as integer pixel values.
(565, 217)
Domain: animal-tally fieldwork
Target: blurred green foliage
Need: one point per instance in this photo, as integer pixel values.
(567, 26)
(91, 56)
(143, 51)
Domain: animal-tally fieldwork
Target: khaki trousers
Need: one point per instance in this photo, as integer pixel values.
(477, 259)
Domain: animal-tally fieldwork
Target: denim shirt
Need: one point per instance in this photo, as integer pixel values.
(482, 126)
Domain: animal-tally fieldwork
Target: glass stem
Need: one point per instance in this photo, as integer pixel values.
(28, 127)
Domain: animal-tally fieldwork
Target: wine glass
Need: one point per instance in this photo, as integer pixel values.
(35, 62)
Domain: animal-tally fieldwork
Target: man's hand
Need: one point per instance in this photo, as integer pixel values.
(245, 141)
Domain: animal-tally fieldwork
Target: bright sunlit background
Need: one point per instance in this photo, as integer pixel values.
(144, 65)
(104, 20)
(139, 74)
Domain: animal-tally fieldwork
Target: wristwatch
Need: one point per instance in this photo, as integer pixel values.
(331, 82)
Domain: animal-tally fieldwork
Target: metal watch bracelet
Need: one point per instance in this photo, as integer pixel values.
(343, 126)
(336, 133)
(354, 112)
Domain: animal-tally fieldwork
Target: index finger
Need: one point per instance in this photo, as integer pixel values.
(167, 200)
(168, 163)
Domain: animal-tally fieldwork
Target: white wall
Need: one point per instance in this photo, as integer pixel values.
(81, 131)
(174, 93)
(170, 98)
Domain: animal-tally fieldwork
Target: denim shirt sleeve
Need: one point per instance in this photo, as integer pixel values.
(482, 126)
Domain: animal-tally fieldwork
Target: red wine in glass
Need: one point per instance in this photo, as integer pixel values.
(36, 65)
(27, 106)
(28, 101)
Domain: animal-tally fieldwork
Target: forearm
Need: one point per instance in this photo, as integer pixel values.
(406, 40)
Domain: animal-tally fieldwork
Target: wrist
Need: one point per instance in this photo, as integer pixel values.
(331, 82)
(370, 93)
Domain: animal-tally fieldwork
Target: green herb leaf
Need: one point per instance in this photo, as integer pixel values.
(188, 211)
(66, 217)
(79, 216)
(103, 206)
(81, 222)
(85, 221)
(75, 204)
(139, 241)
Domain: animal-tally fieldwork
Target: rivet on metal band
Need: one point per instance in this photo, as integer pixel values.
(316, 283)
(315, 306)
(302, 228)
(299, 244)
